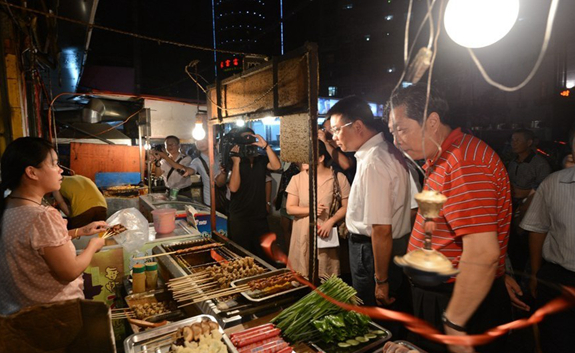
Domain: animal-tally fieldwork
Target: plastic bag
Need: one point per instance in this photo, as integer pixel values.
(138, 228)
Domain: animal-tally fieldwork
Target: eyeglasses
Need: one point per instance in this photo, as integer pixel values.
(337, 130)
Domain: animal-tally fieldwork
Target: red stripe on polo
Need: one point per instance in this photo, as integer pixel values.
(474, 180)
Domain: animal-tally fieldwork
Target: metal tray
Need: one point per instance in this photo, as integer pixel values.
(136, 343)
(361, 348)
(243, 281)
(410, 346)
(154, 296)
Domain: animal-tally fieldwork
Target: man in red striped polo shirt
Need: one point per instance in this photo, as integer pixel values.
(473, 226)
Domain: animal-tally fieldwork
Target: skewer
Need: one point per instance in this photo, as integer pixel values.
(212, 246)
(195, 301)
(192, 287)
(212, 295)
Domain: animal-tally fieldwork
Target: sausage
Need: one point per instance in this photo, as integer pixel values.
(261, 345)
(257, 336)
(250, 330)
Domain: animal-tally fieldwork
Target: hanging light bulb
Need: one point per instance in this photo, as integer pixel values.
(240, 122)
(198, 133)
(479, 23)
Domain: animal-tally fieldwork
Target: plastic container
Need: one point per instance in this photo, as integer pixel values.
(164, 220)
(151, 275)
(138, 278)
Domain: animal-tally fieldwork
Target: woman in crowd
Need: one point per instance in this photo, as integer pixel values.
(37, 257)
(297, 205)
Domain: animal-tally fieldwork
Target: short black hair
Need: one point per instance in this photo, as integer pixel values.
(414, 98)
(528, 134)
(173, 138)
(353, 108)
(322, 151)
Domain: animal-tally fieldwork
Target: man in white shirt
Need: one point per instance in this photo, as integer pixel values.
(172, 166)
(378, 211)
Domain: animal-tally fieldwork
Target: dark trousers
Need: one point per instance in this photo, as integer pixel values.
(91, 215)
(363, 272)
(247, 233)
(556, 330)
(429, 303)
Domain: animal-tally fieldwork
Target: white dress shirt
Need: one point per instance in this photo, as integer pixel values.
(380, 193)
(552, 211)
(176, 180)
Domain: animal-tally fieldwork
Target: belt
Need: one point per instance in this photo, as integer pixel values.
(358, 238)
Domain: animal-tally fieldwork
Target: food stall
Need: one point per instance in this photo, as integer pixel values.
(213, 295)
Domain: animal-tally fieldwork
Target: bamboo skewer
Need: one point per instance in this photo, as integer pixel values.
(215, 246)
(217, 293)
(214, 296)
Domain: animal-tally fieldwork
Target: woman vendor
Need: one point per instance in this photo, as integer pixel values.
(38, 260)
(297, 205)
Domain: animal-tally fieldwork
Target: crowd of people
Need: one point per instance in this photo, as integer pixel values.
(509, 229)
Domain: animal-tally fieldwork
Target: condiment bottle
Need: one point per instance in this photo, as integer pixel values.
(151, 275)
(138, 278)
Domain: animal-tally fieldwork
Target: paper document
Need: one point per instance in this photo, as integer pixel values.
(330, 242)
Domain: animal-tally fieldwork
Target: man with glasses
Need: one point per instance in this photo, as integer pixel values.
(342, 162)
(378, 211)
(172, 166)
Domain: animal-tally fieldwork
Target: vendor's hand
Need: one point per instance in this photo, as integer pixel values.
(260, 142)
(457, 349)
(320, 208)
(382, 297)
(514, 290)
(235, 154)
(93, 228)
(97, 242)
(325, 229)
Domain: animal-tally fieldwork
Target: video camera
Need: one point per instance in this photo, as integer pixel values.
(232, 138)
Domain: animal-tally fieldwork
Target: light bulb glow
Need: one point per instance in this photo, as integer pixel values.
(480, 23)
(240, 122)
(198, 133)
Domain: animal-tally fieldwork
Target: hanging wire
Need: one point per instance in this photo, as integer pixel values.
(131, 34)
(546, 39)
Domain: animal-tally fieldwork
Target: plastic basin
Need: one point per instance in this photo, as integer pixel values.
(164, 220)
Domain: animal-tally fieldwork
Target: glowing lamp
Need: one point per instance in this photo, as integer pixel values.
(479, 23)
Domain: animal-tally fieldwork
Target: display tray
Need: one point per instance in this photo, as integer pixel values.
(155, 296)
(252, 296)
(146, 342)
(360, 348)
(410, 346)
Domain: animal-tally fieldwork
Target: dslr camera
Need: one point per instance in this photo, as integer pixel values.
(233, 138)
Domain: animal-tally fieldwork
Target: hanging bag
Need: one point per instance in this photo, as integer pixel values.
(336, 205)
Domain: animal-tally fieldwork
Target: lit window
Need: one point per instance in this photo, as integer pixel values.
(348, 6)
(391, 69)
(332, 91)
(367, 37)
(388, 17)
(387, 33)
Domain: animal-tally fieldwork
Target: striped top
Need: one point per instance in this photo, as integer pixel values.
(474, 180)
(552, 211)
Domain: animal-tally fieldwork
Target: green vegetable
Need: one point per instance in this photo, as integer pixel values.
(298, 321)
(353, 342)
(344, 345)
(361, 339)
(370, 336)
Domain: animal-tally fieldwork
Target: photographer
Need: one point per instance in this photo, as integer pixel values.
(248, 214)
(172, 166)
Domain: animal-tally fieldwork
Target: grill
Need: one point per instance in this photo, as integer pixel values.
(231, 312)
